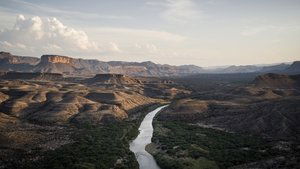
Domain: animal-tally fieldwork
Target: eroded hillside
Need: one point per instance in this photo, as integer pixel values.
(40, 112)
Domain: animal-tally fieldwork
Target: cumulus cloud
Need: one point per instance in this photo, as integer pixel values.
(48, 35)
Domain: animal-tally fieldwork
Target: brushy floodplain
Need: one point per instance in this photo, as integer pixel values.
(97, 146)
(184, 146)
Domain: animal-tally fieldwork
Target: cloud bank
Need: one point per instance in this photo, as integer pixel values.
(49, 35)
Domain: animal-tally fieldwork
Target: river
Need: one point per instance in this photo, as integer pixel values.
(138, 145)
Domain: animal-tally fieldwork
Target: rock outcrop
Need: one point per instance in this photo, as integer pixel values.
(56, 59)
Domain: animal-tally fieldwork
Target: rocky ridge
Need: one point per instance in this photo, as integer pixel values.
(85, 67)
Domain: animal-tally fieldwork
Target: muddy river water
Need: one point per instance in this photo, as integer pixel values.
(137, 146)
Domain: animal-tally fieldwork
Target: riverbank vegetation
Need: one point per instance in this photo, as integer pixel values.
(96, 146)
(184, 146)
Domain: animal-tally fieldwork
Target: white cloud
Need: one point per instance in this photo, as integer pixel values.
(21, 46)
(177, 11)
(5, 44)
(138, 44)
(42, 35)
(49, 35)
(114, 47)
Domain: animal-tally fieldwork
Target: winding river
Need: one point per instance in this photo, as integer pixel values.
(137, 146)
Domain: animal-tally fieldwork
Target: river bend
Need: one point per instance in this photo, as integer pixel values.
(138, 145)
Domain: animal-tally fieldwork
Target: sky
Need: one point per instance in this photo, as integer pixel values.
(176, 32)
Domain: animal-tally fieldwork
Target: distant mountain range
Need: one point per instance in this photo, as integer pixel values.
(84, 67)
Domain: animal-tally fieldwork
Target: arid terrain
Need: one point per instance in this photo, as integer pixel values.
(57, 112)
(150, 84)
(41, 112)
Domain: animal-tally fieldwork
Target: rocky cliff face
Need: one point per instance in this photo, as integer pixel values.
(9, 62)
(55, 64)
(8, 58)
(57, 59)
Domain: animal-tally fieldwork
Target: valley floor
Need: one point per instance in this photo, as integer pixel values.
(88, 123)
